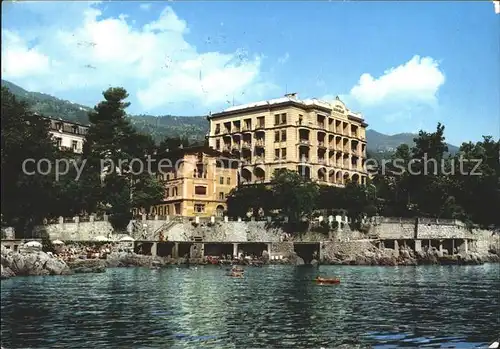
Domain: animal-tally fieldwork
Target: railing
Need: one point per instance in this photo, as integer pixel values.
(259, 143)
(304, 141)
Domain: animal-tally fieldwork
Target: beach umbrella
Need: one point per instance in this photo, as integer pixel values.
(57, 242)
(33, 244)
(100, 238)
(127, 238)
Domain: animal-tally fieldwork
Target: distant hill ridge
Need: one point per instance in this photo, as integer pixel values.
(191, 127)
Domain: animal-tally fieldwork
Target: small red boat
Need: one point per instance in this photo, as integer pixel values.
(327, 281)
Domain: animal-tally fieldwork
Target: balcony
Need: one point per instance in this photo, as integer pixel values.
(259, 126)
(322, 161)
(247, 127)
(321, 144)
(259, 159)
(236, 146)
(217, 131)
(225, 130)
(236, 129)
(260, 143)
(226, 147)
(304, 159)
(321, 124)
(246, 145)
(304, 142)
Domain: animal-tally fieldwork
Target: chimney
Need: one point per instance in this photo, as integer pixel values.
(291, 95)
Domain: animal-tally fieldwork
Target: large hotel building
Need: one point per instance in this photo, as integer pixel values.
(324, 141)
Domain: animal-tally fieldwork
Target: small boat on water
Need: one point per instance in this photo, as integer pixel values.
(327, 281)
(236, 269)
(236, 274)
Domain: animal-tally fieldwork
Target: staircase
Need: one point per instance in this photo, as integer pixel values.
(164, 228)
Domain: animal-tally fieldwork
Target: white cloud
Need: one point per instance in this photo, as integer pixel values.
(416, 81)
(154, 63)
(496, 3)
(20, 61)
(145, 6)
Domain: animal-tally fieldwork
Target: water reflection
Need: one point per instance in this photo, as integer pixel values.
(275, 306)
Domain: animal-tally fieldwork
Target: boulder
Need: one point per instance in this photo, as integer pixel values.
(6, 272)
(31, 263)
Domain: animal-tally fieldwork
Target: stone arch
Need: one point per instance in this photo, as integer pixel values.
(345, 178)
(260, 173)
(246, 175)
(322, 174)
(219, 211)
(355, 178)
(331, 176)
(338, 177)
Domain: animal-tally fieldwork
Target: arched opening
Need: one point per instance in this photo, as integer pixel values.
(246, 175)
(322, 174)
(260, 174)
(355, 178)
(331, 176)
(338, 177)
(219, 211)
(346, 178)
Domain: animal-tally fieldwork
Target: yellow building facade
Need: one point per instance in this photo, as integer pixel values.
(197, 182)
(324, 141)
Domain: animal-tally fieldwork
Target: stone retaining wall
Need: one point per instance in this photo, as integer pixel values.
(259, 231)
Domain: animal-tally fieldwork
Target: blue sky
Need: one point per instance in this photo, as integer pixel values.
(403, 65)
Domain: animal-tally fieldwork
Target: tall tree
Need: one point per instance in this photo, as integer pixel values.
(296, 196)
(25, 136)
(113, 142)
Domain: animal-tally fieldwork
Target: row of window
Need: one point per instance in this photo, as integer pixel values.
(59, 126)
(201, 190)
(173, 191)
(280, 119)
(228, 180)
(74, 144)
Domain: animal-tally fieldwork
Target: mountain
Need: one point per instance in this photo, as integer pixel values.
(49, 105)
(191, 127)
(381, 143)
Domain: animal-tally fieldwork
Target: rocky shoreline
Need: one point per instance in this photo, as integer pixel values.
(37, 263)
